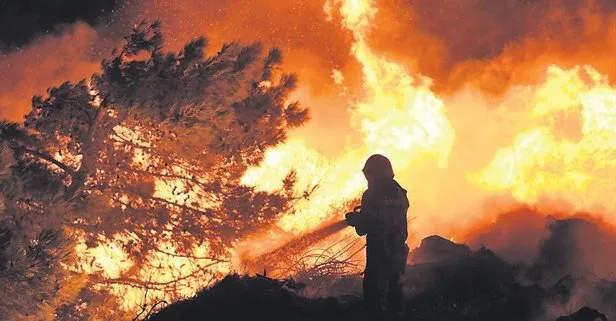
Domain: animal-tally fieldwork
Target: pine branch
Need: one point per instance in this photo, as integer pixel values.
(46, 157)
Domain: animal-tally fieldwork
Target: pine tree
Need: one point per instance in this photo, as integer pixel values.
(33, 246)
(151, 150)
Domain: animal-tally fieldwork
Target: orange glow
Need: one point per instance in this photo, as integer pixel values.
(559, 130)
(531, 121)
(398, 116)
(109, 261)
(558, 158)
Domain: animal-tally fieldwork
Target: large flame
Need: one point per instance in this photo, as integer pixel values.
(570, 151)
(560, 137)
(399, 116)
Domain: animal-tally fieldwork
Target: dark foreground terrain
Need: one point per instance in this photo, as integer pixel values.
(448, 282)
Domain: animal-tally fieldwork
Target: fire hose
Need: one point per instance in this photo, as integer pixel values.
(313, 237)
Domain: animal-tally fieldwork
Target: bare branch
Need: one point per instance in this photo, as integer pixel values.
(137, 283)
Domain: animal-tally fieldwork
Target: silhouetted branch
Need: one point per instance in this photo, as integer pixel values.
(137, 283)
(45, 157)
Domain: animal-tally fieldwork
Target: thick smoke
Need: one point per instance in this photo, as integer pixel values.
(514, 235)
(489, 45)
(492, 45)
(22, 21)
(70, 56)
(553, 242)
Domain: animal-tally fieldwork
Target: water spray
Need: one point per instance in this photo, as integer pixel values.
(299, 243)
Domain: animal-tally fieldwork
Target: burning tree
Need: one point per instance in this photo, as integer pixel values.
(33, 246)
(148, 155)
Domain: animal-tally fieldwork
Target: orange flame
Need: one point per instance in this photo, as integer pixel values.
(399, 116)
(569, 152)
(560, 136)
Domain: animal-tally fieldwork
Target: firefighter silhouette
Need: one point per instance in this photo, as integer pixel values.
(382, 218)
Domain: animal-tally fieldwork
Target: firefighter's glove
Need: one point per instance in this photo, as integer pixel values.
(351, 218)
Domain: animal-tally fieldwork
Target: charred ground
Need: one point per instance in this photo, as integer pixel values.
(447, 281)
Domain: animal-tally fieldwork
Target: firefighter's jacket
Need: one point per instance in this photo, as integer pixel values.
(382, 218)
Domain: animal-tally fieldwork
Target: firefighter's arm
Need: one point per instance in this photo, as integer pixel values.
(361, 228)
(357, 220)
(361, 218)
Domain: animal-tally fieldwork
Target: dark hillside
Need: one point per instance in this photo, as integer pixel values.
(449, 282)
